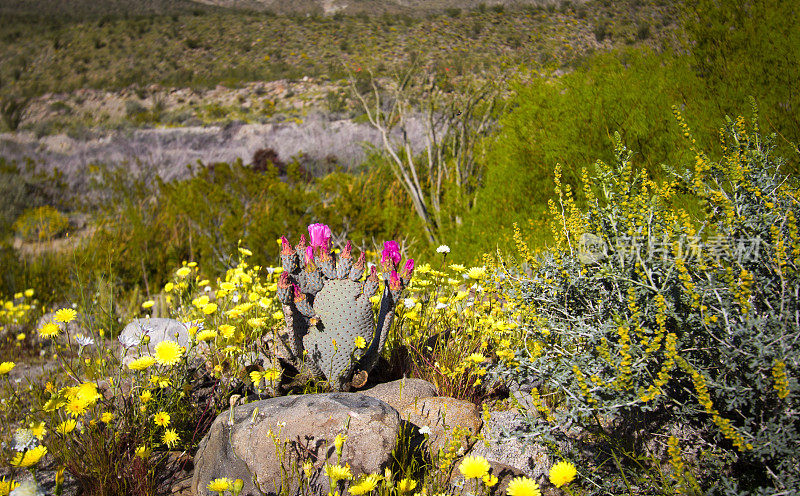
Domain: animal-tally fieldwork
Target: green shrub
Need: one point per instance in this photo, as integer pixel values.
(569, 120)
(41, 224)
(666, 335)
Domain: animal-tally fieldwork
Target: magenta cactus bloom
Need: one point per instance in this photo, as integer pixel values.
(320, 235)
(286, 247)
(309, 253)
(409, 268)
(391, 251)
(394, 281)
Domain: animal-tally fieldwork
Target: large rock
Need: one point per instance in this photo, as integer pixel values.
(403, 392)
(441, 415)
(240, 444)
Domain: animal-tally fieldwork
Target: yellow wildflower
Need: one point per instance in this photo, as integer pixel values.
(338, 472)
(474, 467)
(366, 485)
(161, 418)
(168, 353)
(219, 485)
(406, 485)
(6, 486)
(65, 315)
(523, 486)
(66, 426)
(142, 363)
(170, 438)
(29, 458)
(6, 367)
(49, 330)
(562, 473)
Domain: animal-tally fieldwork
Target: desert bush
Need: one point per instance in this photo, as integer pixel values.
(12, 110)
(41, 224)
(568, 120)
(655, 335)
(744, 50)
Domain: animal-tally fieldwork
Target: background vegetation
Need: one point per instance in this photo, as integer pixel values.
(583, 79)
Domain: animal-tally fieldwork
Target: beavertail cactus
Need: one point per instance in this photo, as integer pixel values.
(329, 318)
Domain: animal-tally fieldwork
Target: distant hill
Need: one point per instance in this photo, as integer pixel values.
(68, 10)
(375, 7)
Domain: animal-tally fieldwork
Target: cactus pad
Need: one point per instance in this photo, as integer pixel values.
(327, 307)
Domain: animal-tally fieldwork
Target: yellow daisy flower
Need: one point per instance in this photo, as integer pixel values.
(562, 473)
(142, 363)
(76, 407)
(6, 486)
(338, 472)
(66, 426)
(170, 438)
(406, 485)
(219, 485)
(168, 353)
(474, 467)
(226, 330)
(476, 273)
(162, 419)
(206, 335)
(6, 367)
(29, 458)
(49, 330)
(523, 486)
(366, 485)
(65, 315)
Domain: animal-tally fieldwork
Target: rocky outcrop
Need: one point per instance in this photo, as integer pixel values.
(266, 442)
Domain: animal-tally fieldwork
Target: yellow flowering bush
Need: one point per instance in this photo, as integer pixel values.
(665, 305)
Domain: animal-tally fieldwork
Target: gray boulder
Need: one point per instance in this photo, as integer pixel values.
(403, 392)
(269, 440)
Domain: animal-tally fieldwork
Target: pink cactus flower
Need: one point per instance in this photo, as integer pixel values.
(391, 251)
(297, 292)
(320, 235)
(283, 281)
(309, 254)
(409, 267)
(286, 247)
(394, 281)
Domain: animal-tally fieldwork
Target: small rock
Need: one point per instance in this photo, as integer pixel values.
(239, 444)
(525, 456)
(158, 329)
